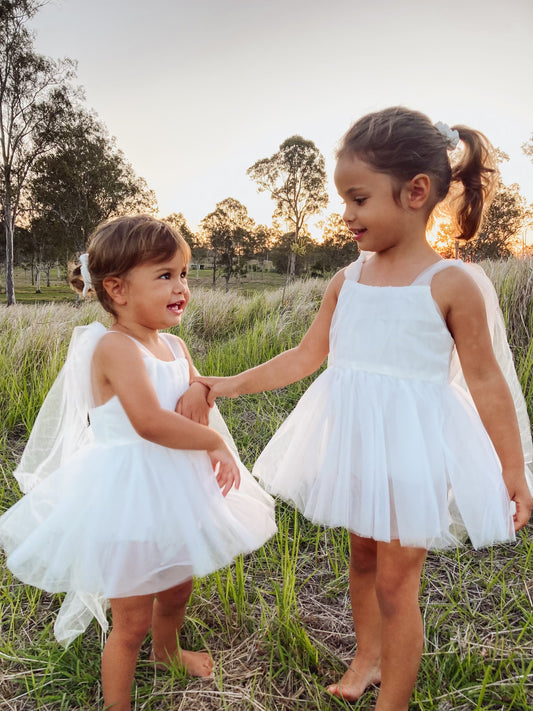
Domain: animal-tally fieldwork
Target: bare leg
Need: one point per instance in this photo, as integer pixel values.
(365, 667)
(402, 632)
(167, 618)
(131, 622)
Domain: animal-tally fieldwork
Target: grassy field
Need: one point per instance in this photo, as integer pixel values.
(60, 291)
(277, 623)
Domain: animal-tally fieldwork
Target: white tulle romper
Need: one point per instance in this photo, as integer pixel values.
(121, 516)
(382, 442)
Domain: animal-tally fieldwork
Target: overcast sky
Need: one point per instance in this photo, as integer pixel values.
(195, 91)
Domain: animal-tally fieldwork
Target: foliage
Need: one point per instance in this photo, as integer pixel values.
(502, 223)
(527, 148)
(295, 177)
(337, 249)
(35, 96)
(82, 182)
(287, 254)
(229, 230)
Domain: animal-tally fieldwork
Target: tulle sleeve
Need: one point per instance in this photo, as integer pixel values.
(62, 427)
(505, 359)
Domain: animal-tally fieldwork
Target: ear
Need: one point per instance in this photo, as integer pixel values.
(116, 289)
(417, 191)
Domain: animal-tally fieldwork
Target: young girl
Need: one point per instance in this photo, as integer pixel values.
(129, 499)
(382, 443)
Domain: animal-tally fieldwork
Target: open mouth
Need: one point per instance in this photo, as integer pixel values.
(358, 233)
(177, 307)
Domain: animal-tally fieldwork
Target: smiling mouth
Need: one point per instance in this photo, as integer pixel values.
(177, 307)
(358, 233)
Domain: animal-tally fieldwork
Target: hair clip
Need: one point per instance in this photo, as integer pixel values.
(451, 136)
(85, 273)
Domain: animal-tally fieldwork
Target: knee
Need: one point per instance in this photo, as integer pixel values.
(132, 632)
(363, 558)
(168, 601)
(396, 594)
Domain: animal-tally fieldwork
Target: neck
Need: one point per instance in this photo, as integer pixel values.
(143, 334)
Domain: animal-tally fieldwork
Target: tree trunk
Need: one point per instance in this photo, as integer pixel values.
(214, 269)
(292, 267)
(47, 276)
(10, 276)
(38, 279)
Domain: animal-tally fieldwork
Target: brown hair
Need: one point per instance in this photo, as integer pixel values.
(404, 143)
(118, 245)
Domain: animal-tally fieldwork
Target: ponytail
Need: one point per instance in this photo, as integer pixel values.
(476, 171)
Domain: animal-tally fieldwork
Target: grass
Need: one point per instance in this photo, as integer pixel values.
(60, 291)
(277, 622)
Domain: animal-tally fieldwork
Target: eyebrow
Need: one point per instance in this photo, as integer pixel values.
(356, 189)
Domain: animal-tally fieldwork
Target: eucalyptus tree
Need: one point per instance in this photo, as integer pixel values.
(83, 181)
(295, 177)
(35, 96)
(227, 230)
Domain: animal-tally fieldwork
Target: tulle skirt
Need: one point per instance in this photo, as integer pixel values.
(131, 520)
(389, 458)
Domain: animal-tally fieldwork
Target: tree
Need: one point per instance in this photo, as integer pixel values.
(34, 95)
(295, 177)
(227, 230)
(338, 247)
(82, 182)
(501, 226)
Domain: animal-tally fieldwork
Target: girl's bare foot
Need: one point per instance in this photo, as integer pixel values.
(357, 678)
(194, 663)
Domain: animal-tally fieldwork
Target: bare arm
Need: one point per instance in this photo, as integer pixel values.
(464, 310)
(193, 403)
(118, 363)
(289, 366)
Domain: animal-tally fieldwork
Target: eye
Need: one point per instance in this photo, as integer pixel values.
(360, 200)
(183, 274)
(166, 275)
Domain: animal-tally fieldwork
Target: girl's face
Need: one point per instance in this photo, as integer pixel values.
(371, 212)
(157, 293)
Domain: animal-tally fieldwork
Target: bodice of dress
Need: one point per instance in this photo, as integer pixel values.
(109, 422)
(391, 330)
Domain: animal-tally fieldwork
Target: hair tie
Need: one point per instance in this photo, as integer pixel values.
(85, 273)
(452, 137)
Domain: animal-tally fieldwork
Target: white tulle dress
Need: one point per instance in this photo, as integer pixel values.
(109, 514)
(386, 441)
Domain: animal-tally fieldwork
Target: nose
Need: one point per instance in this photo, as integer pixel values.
(347, 215)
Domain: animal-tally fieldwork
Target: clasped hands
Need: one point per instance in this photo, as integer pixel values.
(195, 404)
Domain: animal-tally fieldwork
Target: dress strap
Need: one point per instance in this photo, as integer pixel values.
(171, 343)
(353, 270)
(425, 277)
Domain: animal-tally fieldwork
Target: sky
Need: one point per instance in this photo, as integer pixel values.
(196, 91)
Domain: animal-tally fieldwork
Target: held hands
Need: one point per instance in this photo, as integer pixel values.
(219, 387)
(225, 468)
(193, 404)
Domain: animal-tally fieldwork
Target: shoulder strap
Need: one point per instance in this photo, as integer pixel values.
(425, 277)
(174, 344)
(353, 270)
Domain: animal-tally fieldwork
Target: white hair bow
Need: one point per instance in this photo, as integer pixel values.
(85, 273)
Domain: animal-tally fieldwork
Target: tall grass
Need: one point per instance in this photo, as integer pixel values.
(278, 622)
